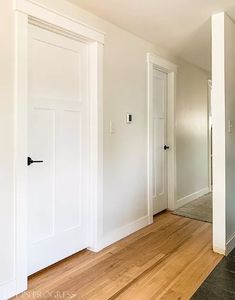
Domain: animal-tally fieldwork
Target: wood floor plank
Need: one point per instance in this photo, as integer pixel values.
(166, 260)
(195, 252)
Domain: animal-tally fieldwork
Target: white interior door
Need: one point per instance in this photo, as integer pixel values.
(160, 195)
(58, 132)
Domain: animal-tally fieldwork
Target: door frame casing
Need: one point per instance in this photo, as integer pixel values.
(209, 124)
(25, 12)
(157, 62)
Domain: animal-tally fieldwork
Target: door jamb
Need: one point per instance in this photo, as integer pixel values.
(209, 124)
(24, 11)
(154, 61)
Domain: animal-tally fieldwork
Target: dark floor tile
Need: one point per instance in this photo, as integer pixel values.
(223, 279)
(220, 284)
(227, 263)
(211, 292)
(232, 253)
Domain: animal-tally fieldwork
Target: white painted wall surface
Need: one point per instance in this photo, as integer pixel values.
(218, 120)
(7, 144)
(125, 151)
(223, 112)
(230, 137)
(191, 130)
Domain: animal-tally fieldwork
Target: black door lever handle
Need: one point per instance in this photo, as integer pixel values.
(166, 147)
(30, 161)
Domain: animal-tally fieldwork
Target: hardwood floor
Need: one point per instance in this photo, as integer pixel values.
(167, 260)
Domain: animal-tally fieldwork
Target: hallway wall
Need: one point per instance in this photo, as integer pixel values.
(7, 216)
(223, 111)
(191, 133)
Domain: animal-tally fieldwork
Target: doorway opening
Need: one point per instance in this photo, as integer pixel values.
(199, 207)
(162, 193)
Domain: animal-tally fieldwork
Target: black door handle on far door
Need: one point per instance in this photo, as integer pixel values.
(30, 161)
(166, 147)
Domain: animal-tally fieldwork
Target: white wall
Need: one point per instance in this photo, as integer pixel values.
(7, 146)
(230, 137)
(191, 132)
(223, 111)
(125, 158)
(218, 120)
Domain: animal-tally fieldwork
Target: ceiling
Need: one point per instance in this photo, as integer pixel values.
(180, 26)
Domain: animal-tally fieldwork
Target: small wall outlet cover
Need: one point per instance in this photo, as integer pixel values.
(129, 118)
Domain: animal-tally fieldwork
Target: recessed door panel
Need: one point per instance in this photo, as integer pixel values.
(58, 73)
(69, 192)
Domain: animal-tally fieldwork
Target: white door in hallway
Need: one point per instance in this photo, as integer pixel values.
(159, 109)
(58, 131)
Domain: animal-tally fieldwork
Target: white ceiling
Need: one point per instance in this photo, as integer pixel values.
(180, 26)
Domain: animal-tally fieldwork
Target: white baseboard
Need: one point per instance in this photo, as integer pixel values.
(7, 290)
(124, 231)
(230, 245)
(219, 251)
(191, 197)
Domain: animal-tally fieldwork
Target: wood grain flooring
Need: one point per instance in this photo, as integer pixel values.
(166, 260)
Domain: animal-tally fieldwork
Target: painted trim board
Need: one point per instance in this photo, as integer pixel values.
(7, 289)
(219, 129)
(43, 13)
(185, 200)
(125, 231)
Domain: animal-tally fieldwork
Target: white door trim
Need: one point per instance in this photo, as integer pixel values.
(53, 17)
(209, 124)
(25, 11)
(154, 61)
